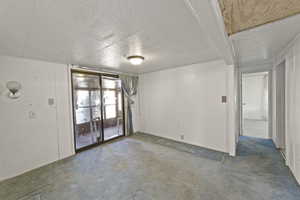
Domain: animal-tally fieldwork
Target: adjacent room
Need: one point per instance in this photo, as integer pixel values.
(149, 100)
(255, 105)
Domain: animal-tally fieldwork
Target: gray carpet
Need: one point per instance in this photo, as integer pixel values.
(143, 167)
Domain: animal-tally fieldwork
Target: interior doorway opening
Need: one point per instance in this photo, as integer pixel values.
(255, 105)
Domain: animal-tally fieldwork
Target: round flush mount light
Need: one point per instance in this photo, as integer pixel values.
(136, 60)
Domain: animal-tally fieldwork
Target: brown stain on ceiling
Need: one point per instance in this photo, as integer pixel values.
(240, 15)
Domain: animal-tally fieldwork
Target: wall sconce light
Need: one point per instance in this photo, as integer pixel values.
(14, 89)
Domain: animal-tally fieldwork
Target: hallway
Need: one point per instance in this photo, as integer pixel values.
(147, 167)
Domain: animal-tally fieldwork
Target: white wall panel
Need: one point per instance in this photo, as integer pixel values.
(27, 143)
(296, 110)
(292, 57)
(187, 101)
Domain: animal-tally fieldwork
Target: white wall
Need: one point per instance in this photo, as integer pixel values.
(291, 54)
(29, 143)
(187, 101)
(280, 106)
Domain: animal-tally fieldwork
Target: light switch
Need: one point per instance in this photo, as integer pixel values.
(51, 101)
(32, 115)
(224, 99)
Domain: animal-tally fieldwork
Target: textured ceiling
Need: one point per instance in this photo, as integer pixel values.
(104, 32)
(240, 15)
(260, 45)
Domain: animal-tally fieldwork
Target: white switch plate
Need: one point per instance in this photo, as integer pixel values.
(32, 115)
(50, 101)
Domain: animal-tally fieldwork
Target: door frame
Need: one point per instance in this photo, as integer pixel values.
(270, 99)
(101, 139)
(280, 139)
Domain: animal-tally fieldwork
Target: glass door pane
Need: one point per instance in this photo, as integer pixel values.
(87, 109)
(112, 107)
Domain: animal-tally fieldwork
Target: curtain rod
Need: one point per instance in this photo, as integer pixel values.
(100, 70)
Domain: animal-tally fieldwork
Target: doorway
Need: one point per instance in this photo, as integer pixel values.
(112, 107)
(255, 105)
(97, 108)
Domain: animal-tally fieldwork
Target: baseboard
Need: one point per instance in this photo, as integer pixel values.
(180, 141)
(32, 169)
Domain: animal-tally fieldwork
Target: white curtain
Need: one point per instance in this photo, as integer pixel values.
(129, 87)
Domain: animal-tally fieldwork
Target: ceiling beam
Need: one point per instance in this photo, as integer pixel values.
(209, 17)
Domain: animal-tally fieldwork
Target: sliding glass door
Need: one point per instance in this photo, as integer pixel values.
(97, 108)
(87, 109)
(112, 107)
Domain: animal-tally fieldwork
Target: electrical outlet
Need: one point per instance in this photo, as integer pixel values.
(182, 137)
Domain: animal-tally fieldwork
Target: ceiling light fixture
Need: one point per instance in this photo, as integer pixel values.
(136, 60)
